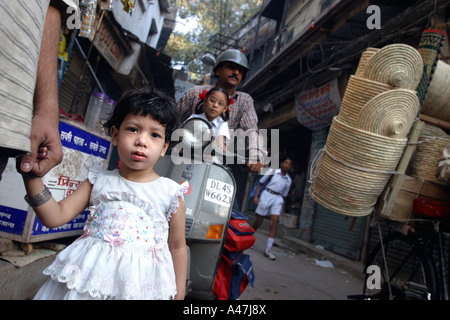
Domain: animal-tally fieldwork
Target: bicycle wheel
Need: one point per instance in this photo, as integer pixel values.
(411, 272)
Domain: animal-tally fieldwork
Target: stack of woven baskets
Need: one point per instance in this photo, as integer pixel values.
(367, 138)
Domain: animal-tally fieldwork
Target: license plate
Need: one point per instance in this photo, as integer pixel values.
(219, 192)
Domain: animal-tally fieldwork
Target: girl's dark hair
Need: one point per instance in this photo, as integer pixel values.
(146, 101)
(199, 108)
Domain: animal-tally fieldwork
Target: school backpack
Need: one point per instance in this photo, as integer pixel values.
(255, 185)
(239, 234)
(235, 270)
(234, 274)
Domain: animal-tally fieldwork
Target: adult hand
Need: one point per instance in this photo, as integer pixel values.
(46, 149)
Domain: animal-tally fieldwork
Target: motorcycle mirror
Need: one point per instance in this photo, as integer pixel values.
(197, 133)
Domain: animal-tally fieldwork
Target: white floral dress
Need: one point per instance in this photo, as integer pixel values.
(123, 253)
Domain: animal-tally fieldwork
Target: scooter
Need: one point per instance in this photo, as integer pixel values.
(209, 203)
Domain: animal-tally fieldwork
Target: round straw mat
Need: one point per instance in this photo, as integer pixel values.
(358, 93)
(398, 65)
(432, 141)
(390, 114)
(365, 57)
(344, 190)
(437, 98)
(363, 149)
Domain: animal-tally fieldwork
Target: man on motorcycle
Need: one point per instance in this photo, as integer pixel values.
(230, 69)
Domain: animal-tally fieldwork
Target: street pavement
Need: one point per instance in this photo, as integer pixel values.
(300, 272)
(298, 276)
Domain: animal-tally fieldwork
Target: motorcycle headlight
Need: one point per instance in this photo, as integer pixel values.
(196, 133)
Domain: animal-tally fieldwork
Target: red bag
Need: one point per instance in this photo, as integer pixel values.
(234, 274)
(239, 235)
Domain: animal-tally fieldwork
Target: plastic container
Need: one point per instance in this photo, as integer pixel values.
(106, 4)
(88, 8)
(98, 104)
(106, 112)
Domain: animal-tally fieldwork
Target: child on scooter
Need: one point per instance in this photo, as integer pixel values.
(213, 107)
(134, 244)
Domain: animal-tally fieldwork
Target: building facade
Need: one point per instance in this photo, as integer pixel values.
(301, 55)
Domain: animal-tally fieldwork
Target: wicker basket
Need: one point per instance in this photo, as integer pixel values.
(362, 148)
(358, 93)
(365, 57)
(354, 169)
(345, 190)
(437, 98)
(391, 113)
(398, 65)
(429, 47)
(432, 141)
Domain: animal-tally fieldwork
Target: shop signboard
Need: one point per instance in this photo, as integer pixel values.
(108, 46)
(317, 107)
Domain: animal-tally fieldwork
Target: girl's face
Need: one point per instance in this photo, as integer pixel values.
(140, 142)
(215, 105)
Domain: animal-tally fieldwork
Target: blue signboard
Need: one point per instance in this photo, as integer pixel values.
(80, 140)
(12, 220)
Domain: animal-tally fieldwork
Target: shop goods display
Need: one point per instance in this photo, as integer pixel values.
(88, 15)
(429, 48)
(432, 141)
(436, 103)
(88, 8)
(368, 136)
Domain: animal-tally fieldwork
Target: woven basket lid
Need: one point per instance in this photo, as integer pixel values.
(390, 114)
(398, 65)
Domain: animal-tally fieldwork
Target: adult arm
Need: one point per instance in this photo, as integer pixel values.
(44, 127)
(249, 123)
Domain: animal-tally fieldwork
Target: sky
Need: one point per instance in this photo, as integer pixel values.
(185, 25)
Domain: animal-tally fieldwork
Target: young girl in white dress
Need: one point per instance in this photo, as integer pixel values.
(134, 244)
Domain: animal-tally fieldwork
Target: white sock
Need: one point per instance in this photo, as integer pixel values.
(269, 243)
